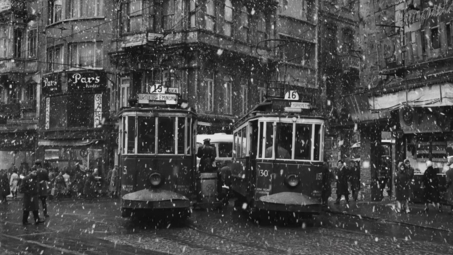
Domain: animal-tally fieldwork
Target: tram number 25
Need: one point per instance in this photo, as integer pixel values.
(263, 173)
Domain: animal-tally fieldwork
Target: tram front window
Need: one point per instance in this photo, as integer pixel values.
(269, 139)
(285, 141)
(147, 133)
(303, 142)
(166, 135)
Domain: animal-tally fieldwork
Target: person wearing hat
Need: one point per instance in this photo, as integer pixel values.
(207, 155)
(30, 188)
(342, 182)
(431, 186)
(43, 179)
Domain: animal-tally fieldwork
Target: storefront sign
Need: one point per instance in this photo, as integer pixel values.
(86, 81)
(97, 110)
(140, 39)
(47, 113)
(5, 5)
(435, 11)
(149, 98)
(51, 84)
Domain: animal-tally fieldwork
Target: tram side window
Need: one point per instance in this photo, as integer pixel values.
(269, 144)
(166, 135)
(244, 142)
(130, 134)
(225, 150)
(303, 142)
(261, 140)
(284, 141)
(146, 134)
(318, 133)
(181, 134)
(237, 144)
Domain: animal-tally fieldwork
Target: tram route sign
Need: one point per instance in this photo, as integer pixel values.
(156, 97)
(292, 95)
(301, 105)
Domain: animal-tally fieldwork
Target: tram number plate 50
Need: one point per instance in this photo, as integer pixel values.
(263, 173)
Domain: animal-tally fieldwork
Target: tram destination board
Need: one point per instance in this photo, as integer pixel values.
(157, 97)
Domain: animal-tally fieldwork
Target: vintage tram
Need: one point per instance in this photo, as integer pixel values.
(157, 156)
(278, 160)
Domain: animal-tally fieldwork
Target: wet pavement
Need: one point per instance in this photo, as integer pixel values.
(96, 227)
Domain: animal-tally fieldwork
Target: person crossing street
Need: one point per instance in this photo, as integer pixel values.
(43, 179)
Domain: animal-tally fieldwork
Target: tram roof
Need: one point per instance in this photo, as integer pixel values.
(274, 108)
(157, 109)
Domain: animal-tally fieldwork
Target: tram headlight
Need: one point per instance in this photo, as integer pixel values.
(155, 179)
(292, 181)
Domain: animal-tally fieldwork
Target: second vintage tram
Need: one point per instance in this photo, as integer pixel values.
(157, 156)
(278, 159)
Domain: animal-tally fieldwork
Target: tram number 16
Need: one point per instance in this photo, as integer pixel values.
(263, 173)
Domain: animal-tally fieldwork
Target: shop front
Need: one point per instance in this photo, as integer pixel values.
(73, 125)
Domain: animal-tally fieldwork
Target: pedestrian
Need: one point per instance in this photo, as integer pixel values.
(355, 179)
(89, 185)
(30, 188)
(4, 186)
(78, 182)
(113, 187)
(385, 178)
(343, 178)
(60, 185)
(207, 155)
(14, 183)
(43, 179)
(67, 180)
(449, 186)
(403, 179)
(431, 186)
(327, 177)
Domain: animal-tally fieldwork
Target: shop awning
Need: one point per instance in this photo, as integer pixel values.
(65, 143)
(360, 110)
(432, 96)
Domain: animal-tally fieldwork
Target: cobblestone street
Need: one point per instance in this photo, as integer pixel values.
(97, 228)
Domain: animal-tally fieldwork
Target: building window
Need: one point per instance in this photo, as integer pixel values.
(227, 26)
(298, 52)
(124, 92)
(294, 8)
(244, 97)
(261, 27)
(227, 93)
(348, 41)
(209, 83)
(168, 14)
(423, 41)
(32, 42)
(55, 58)
(4, 39)
(88, 54)
(193, 13)
(18, 38)
(54, 11)
(245, 25)
(261, 94)
(210, 15)
(132, 16)
(435, 38)
(331, 41)
(85, 8)
(448, 32)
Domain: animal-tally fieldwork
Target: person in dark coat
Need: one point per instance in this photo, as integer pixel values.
(403, 179)
(30, 188)
(431, 185)
(327, 177)
(89, 185)
(43, 179)
(355, 179)
(207, 155)
(343, 178)
(4, 186)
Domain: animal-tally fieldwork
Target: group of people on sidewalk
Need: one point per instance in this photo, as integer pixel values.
(40, 183)
(346, 176)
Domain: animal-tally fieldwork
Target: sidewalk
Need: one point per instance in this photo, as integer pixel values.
(385, 211)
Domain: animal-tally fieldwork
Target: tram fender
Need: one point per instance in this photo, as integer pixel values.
(289, 198)
(153, 195)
